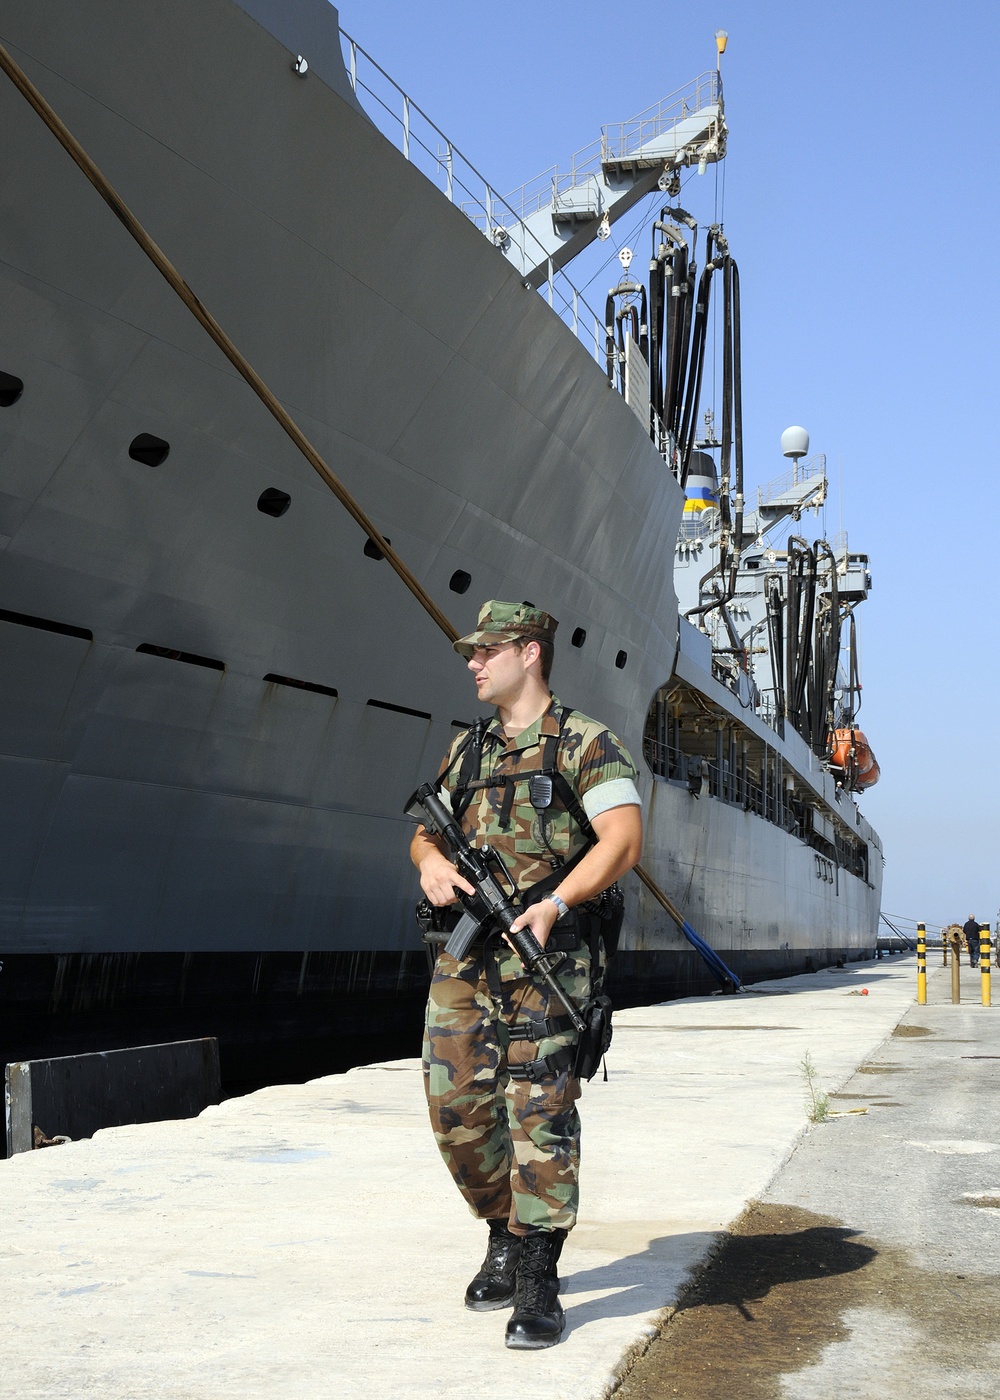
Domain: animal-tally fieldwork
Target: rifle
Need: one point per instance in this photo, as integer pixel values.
(484, 869)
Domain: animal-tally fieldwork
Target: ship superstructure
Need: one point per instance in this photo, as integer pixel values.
(216, 695)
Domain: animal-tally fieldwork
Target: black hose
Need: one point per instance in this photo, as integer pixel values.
(692, 394)
(679, 281)
(801, 608)
(776, 642)
(609, 336)
(853, 674)
(737, 362)
(827, 656)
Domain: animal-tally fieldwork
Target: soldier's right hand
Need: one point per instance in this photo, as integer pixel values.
(440, 880)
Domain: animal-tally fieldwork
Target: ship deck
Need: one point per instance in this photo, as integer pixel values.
(306, 1239)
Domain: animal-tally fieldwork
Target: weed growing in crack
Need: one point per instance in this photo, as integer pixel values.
(817, 1103)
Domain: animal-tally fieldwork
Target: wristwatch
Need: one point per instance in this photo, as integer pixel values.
(560, 905)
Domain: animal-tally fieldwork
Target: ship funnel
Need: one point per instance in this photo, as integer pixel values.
(702, 492)
(794, 443)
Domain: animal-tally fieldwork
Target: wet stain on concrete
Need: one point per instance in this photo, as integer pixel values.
(907, 1031)
(876, 1100)
(782, 1288)
(884, 1069)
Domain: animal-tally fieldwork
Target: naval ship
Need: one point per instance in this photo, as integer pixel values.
(216, 693)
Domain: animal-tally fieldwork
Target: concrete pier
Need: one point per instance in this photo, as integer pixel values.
(306, 1241)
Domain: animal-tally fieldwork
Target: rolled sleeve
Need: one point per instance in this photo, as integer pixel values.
(619, 792)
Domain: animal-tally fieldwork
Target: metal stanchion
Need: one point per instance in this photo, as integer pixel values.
(921, 966)
(984, 961)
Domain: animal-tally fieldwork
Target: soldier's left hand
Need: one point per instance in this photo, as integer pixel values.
(539, 918)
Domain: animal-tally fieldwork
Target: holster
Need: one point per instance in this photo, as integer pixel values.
(595, 1037)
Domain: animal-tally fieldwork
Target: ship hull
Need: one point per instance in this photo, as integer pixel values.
(212, 716)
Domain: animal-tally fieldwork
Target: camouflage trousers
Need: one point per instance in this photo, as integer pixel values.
(511, 1145)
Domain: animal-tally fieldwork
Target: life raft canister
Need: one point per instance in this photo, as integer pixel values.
(851, 753)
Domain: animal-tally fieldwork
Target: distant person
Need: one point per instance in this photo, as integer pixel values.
(971, 930)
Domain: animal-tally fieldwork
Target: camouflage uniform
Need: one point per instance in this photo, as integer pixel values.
(513, 1145)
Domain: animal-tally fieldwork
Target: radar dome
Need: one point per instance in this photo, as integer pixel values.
(794, 442)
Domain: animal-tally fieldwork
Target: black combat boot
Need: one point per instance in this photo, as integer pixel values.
(493, 1286)
(538, 1319)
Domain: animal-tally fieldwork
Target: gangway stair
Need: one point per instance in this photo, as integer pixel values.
(545, 224)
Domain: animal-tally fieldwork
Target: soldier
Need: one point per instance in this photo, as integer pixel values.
(498, 1051)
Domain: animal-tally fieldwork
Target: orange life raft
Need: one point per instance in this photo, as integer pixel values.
(851, 754)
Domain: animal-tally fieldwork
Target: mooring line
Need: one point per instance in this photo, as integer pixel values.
(166, 268)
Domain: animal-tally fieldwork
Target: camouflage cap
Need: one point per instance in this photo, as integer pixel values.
(501, 622)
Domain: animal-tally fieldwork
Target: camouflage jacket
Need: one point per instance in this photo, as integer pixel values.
(530, 843)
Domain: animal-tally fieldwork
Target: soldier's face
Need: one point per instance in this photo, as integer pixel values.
(499, 672)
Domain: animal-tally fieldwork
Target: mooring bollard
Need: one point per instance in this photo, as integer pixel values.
(984, 961)
(921, 966)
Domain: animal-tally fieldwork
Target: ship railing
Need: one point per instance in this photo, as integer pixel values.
(764, 788)
(785, 485)
(545, 189)
(841, 550)
(728, 781)
(425, 145)
(618, 142)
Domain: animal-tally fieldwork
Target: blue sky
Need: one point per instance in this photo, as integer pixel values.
(860, 201)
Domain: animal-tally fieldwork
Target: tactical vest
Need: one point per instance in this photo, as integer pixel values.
(596, 919)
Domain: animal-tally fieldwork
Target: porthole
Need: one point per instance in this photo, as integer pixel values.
(620, 660)
(459, 581)
(372, 550)
(149, 450)
(579, 637)
(273, 502)
(45, 624)
(314, 686)
(397, 709)
(11, 389)
(172, 654)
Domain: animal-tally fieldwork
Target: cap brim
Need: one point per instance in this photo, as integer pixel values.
(465, 646)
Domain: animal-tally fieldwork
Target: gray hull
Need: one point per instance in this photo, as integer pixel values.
(162, 798)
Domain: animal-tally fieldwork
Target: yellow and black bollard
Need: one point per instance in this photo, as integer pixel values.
(984, 961)
(921, 966)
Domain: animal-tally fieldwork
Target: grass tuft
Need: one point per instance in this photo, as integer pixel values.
(817, 1103)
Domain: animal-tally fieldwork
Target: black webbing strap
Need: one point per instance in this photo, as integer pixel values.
(506, 806)
(540, 1030)
(548, 1068)
(471, 750)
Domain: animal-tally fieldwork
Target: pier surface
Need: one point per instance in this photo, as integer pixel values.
(870, 1267)
(306, 1241)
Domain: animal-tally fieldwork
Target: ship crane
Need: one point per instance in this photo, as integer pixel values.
(545, 224)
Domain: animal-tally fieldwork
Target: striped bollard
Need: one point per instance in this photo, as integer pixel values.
(921, 966)
(984, 961)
